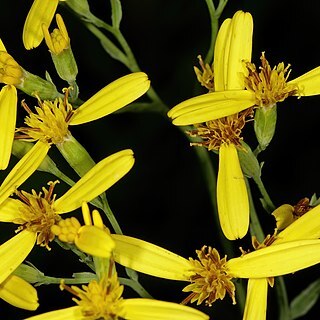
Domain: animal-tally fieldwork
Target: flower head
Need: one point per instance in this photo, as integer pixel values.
(37, 213)
(247, 87)
(51, 120)
(210, 277)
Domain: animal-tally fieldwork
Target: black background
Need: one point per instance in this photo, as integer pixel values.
(164, 198)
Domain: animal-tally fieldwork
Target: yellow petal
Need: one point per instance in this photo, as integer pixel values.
(232, 196)
(14, 251)
(308, 83)
(306, 227)
(41, 12)
(25, 297)
(211, 106)
(8, 115)
(101, 177)
(219, 55)
(2, 47)
(256, 300)
(276, 260)
(73, 313)
(94, 241)
(146, 309)
(9, 210)
(113, 97)
(23, 169)
(240, 49)
(148, 258)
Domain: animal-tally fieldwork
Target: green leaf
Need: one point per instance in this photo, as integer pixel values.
(116, 14)
(307, 298)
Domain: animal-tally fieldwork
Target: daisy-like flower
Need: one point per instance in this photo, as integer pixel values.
(50, 123)
(260, 88)
(224, 134)
(37, 213)
(41, 13)
(210, 276)
(305, 227)
(103, 300)
(25, 298)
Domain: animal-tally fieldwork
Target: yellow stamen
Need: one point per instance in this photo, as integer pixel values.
(37, 214)
(49, 123)
(214, 133)
(99, 300)
(205, 75)
(269, 85)
(211, 280)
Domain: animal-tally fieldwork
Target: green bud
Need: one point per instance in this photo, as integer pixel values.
(265, 120)
(81, 7)
(29, 273)
(249, 163)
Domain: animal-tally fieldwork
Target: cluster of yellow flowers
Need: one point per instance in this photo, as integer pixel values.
(238, 91)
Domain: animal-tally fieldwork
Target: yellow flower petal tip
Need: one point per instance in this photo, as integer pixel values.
(111, 98)
(19, 293)
(41, 12)
(232, 196)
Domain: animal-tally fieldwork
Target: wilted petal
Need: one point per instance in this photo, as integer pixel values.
(308, 83)
(276, 260)
(113, 97)
(232, 196)
(94, 241)
(73, 313)
(239, 50)
(9, 210)
(19, 293)
(211, 106)
(23, 169)
(148, 258)
(256, 300)
(41, 12)
(146, 309)
(101, 177)
(284, 216)
(14, 251)
(8, 115)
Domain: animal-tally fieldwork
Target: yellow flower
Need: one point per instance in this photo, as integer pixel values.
(305, 227)
(261, 87)
(41, 12)
(210, 276)
(25, 297)
(92, 238)
(37, 213)
(224, 134)
(103, 300)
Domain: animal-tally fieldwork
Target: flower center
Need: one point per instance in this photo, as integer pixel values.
(205, 76)
(211, 280)
(37, 214)
(10, 71)
(269, 85)
(99, 300)
(228, 130)
(49, 123)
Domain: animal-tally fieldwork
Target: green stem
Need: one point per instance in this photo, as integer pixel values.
(214, 19)
(266, 200)
(136, 286)
(108, 212)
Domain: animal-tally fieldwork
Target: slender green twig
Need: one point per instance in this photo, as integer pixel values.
(266, 200)
(136, 286)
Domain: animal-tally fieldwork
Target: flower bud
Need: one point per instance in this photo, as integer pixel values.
(58, 43)
(265, 120)
(249, 163)
(10, 71)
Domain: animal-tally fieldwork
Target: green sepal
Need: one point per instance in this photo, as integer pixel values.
(265, 119)
(249, 163)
